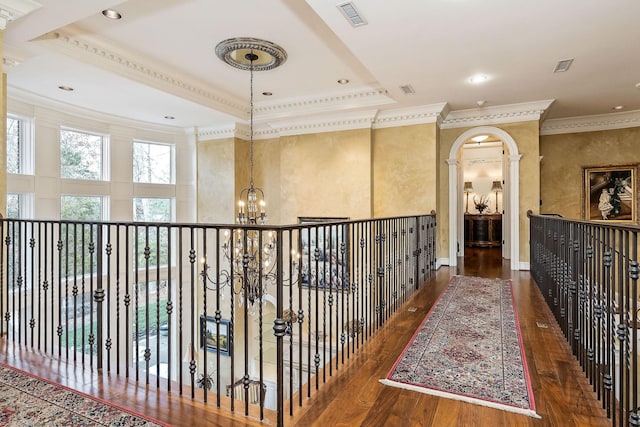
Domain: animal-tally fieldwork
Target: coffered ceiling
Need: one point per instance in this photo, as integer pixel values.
(158, 61)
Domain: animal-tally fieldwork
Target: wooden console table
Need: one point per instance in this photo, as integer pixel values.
(483, 230)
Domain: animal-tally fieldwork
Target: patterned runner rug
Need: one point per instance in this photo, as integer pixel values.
(469, 348)
(27, 400)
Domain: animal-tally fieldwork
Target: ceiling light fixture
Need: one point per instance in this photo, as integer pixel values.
(618, 107)
(563, 65)
(343, 81)
(478, 78)
(480, 138)
(251, 252)
(267, 93)
(112, 14)
(169, 117)
(65, 88)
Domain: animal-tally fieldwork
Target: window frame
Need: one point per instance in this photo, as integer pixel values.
(172, 161)
(105, 170)
(26, 141)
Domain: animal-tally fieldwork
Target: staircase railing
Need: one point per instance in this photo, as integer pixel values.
(588, 273)
(193, 308)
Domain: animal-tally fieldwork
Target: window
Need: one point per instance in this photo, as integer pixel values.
(82, 155)
(153, 163)
(153, 210)
(19, 205)
(19, 145)
(81, 208)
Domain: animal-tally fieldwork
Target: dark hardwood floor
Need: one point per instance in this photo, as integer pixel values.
(356, 398)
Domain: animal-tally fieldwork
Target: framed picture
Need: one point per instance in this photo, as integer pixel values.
(610, 193)
(209, 337)
(324, 264)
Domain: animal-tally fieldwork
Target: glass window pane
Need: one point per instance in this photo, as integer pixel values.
(152, 163)
(81, 208)
(13, 206)
(156, 238)
(151, 209)
(14, 130)
(80, 155)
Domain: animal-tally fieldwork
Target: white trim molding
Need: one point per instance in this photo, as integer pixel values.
(10, 10)
(622, 120)
(514, 191)
(441, 261)
(510, 113)
(525, 266)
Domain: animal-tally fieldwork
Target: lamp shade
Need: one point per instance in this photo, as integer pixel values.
(496, 186)
(468, 187)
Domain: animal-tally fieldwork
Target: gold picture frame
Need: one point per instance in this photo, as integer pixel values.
(611, 193)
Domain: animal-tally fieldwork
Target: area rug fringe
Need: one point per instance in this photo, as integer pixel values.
(446, 395)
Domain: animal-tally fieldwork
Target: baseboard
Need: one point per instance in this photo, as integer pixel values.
(441, 261)
(525, 266)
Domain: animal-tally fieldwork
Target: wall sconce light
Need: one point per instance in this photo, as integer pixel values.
(468, 188)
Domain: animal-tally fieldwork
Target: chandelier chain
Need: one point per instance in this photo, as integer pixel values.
(251, 122)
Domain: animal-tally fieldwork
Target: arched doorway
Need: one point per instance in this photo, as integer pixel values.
(511, 194)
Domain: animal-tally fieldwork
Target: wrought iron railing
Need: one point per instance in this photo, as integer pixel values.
(588, 273)
(197, 308)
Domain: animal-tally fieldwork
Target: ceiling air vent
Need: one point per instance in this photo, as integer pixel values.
(563, 65)
(407, 89)
(350, 12)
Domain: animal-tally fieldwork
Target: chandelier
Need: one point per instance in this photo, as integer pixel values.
(250, 252)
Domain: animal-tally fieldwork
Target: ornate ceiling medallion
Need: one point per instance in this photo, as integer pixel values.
(237, 51)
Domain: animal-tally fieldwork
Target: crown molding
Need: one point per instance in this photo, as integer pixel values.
(151, 73)
(411, 116)
(10, 10)
(369, 97)
(510, 113)
(598, 122)
(340, 121)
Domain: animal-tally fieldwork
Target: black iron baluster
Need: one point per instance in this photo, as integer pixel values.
(99, 295)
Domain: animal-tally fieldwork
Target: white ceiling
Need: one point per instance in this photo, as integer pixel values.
(159, 59)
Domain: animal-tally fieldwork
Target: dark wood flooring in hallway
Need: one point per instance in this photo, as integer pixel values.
(356, 398)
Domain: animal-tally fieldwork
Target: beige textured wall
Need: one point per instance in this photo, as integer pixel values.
(216, 181)
(325, 174)
(266, 154)
(565, 155)
(404, 170)
(526, 135)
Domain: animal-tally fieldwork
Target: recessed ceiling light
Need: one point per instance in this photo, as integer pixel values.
(343, 81)
(169, 117)
(112, 14)
(479, 138)
(66, 88)
(638, 85)
(618, 107)
(267, 93)
(478, 78)
(563, 65)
